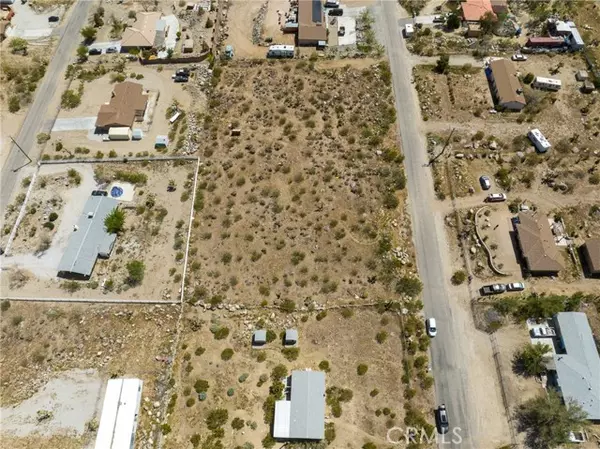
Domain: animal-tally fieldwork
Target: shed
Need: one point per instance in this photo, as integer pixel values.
(137, 134)
(291, 337)
(582, 75)
(161, 142)
(188, 46)
(189, 5)
(119, 133)
(473, 30)
(120, 411)
(588, 87)
(591, 253)
(259, 337)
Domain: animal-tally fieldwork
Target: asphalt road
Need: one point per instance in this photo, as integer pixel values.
(38, 110)
(449, 365)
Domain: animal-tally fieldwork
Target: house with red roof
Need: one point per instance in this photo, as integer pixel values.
(474, 10)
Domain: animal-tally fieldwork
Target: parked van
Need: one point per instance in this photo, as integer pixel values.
(281, 51)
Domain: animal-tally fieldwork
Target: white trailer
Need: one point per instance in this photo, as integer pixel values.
(409, 30)
(539, 141)
(281, 51)
(547, 83)
(119, 133)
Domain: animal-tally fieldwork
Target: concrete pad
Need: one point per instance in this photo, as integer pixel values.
(349, 38)
(74, 124)
(28, 24)
(171, 39)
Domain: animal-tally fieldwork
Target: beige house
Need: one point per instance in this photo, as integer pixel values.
(149, 31)
(127, 105)
(538, 248)
(312, 28)
(505, 85)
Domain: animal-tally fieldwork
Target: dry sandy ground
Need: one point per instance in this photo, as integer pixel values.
(343, 342)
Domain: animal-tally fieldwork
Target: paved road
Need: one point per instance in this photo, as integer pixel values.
(37, 112)
(448, 362)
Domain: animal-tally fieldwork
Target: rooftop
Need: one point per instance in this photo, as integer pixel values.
(592, 247)
(537, 243)
(89, 240)
(119, 414)
(578, 370)
(508, 86)
(474, 10)
(311, 21)
(127, 98)
(303, 416)
(143, 33)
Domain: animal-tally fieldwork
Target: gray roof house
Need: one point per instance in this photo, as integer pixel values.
(302, 416)
(291, 337)
(576, 370)
(259, 337)
(89, 239)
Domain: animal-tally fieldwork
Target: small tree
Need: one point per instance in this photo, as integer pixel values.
(18, 45)
(442, 64)
(530, 360)
(459, 277)
(209, 23)
(217, 418)
(409, 286)
(453, 21)
(89, 34)
(82, 53)
(548, 421)
(488, 22)
(135, 272)
(528, 78)
(115, 221)
(14, 104)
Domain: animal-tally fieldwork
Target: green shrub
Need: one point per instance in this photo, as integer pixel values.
(362, 369)
(324, 366)
(227, 354)
(115, 221)
(237, 423)
(220, 333)
(217, 418)
(374, 392)
(230, 392)
(291, 354)
(322, 314)
(381, 337)
(201, 386)
(459, 277)
(190, 402)
(135, 272)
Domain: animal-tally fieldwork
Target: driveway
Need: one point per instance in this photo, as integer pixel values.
(104, 45)
(74, 124)
(28, 24)
(32, 125)
(461, 356)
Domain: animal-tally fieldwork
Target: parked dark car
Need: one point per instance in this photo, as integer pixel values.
(485, 182)
(441, 419)
(53, 19)
(112, 50)
(95, 51)
(336, 12)
(493, 289)
(181, 79)
(341, 31)
(99, 193)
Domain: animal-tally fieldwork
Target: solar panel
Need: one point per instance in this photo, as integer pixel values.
(317, 11)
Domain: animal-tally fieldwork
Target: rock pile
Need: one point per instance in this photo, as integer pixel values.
(257, 26)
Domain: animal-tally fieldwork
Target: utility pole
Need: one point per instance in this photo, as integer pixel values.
(431, 161)
(21, 150)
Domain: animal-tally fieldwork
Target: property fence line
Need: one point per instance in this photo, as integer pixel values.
(13, 231)
(181, 60)
(90, 300)
(120, 160)
(498, 363)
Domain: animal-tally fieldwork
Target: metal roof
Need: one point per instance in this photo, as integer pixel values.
(260, 336)
(291, 335)
(578, 370)
(119, 414)
(90, 239)
(307, 411)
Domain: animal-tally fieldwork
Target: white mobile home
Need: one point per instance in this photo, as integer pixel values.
(281, 51)
(547, 83)
(120, 412)
(409, 30)
(539, 141)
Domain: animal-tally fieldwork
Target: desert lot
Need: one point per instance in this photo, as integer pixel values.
(155, 229)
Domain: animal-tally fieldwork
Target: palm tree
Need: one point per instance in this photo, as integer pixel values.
(531, 360)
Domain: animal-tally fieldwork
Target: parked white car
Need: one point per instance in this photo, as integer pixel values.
(496, 197)
(431, 327)
(515, 287)
(519, 57)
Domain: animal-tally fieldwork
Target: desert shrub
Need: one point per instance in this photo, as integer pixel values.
(374, 392)
(237, 423)
(217, 418)
(220, 333)
(322, 314)
(324, 366)
(287, 305)
(115, 221)
(347, 312)
(190, 402)
(201, 386)
(227, 354)
(362, 369)
(381, 337)
(135, 272)
(291, 354)
(459, 277)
